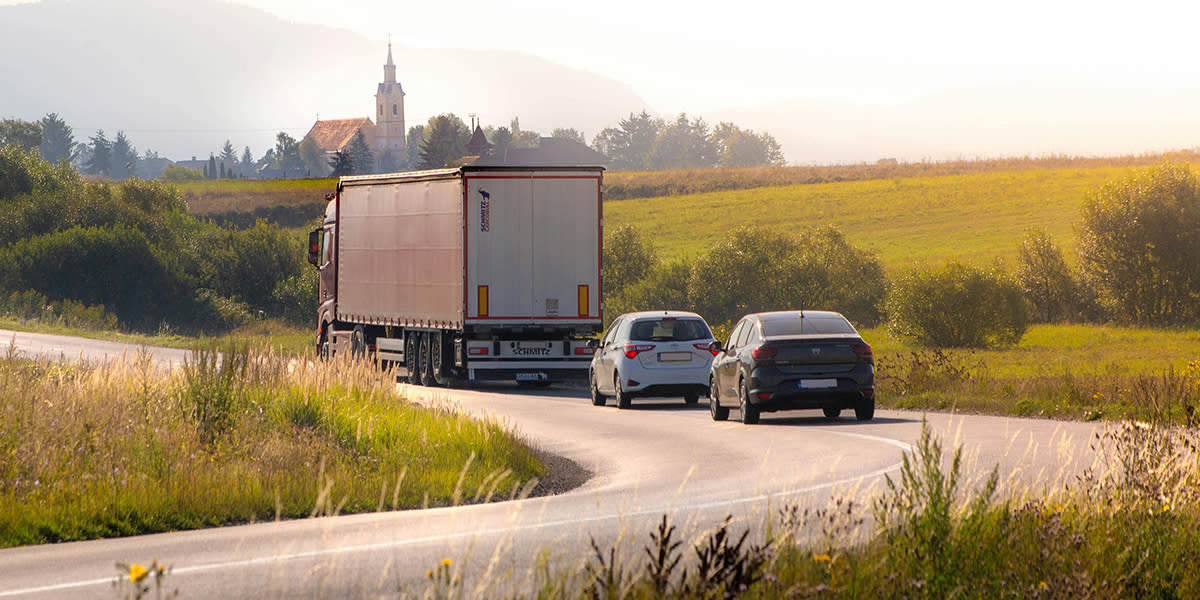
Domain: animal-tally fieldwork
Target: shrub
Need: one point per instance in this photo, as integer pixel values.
(664, 287)
(628, 257)
(248, 265)
(295, 298)
(116, 268)
(1049, 286)
(181, 173)
(1139, 243)
(756, 269)
(957, 305)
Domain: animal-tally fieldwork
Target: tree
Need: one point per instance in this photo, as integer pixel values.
(683, 144)
(628, 257)
(361, 157)
(1049, 287)
(502, 139)
(523, 139)
(181, 173)
(24, 134)
(445, 141)
(958, 306)
(315, 163)
(568, 134)
(58, 140)
(212, 166)
(287, 153)
(247, 161)
(1138, 246)
(629, 144)
(100, 160)
(412, 147)
(228, 154)
(124, 157)
(341, 163)
(737, 147)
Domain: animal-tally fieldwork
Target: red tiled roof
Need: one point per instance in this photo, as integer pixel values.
(333, 134)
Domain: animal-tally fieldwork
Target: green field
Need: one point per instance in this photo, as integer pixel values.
(245, 195)
(978, 217)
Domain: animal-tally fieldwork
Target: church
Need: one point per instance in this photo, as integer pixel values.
(385, 136)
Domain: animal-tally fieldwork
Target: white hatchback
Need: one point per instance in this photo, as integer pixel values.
(652, 354)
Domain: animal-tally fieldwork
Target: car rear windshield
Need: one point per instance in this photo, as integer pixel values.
(785, 325)
(669, 330)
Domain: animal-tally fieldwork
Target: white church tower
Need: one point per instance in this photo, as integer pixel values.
(389, 114)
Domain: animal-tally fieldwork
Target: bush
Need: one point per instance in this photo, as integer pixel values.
(1139, 243)
(116, 268)
(665, 287)
(295, 298)
(181, 173)
(958, 305)
(756, 269)
(1049, 286)
(248, 265)
(628, 257)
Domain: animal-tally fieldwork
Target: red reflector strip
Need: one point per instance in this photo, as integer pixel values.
(764, 395)
(477, 351)
(584, 350)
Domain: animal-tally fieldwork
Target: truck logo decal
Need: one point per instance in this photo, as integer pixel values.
(519, 351)
(485, 210)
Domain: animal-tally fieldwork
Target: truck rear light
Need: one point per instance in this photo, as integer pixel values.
(765, 352)
(705, 348)
(632, 350)
(583, 351)
(478, 351)
(482, 298)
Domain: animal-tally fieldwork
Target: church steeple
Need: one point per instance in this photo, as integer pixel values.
(389, 69)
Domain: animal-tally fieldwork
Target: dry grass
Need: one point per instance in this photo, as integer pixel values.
(126, 449)
(232, 195)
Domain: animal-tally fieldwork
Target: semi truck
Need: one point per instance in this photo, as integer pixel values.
(471, 273)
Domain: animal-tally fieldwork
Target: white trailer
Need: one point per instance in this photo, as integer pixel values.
(479, 273)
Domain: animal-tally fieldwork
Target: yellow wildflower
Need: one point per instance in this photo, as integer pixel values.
(429, 574)
(1042, 585)
(137, 572)
(821, 558)
(447, 562)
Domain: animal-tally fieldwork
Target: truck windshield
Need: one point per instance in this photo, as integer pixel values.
(669, 330)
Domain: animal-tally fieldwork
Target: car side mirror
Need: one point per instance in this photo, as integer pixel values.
(715, 346)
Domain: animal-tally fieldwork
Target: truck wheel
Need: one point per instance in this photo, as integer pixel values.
(437, 358)
(426, 364)
(323, 345)
(412, 358)
(358, 342)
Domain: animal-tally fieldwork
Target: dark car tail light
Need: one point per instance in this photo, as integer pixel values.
(705, 348)
(632, 350)
(864, 352)
(765, 353)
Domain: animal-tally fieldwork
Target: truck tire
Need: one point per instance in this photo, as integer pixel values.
(358, 342)
(426, 363)
(412, 357)
(438, 359)
(323, 345)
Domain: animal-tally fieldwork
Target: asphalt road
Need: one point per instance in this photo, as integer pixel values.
(657, 458)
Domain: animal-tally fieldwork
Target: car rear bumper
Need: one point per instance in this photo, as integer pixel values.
(786, 394)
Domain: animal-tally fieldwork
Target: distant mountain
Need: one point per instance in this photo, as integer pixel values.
(1078, 118)
(181, 77)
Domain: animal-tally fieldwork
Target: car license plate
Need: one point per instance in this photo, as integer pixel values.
(817, 384)
(674, 356)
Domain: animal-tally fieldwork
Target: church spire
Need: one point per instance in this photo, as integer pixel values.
(389, 69)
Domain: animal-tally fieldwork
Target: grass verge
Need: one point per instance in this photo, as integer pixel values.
(267, 335)
(127, 449)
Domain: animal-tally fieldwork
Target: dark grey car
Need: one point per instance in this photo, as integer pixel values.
(790, 360)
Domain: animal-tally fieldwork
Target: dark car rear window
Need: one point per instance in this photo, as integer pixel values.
(784, 325)
(669, 330)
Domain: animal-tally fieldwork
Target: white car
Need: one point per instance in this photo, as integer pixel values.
(652, 354)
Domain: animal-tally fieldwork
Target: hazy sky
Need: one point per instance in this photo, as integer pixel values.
(700, 56)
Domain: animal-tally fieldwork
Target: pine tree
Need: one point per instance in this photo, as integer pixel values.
(58, 141)
(361, 157)
(100, 162)
(124, 157)
(212, 166)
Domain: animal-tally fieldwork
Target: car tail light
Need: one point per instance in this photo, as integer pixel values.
(765, 395)
(868, 392)
(632, 350)
(864, 351)
(705, 348)
(762, 353)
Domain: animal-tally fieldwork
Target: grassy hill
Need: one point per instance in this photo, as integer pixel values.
(975, 216)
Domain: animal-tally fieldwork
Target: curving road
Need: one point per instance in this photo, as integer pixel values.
(656, 458)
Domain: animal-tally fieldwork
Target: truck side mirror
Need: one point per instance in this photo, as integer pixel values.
(314, 247)
(715, 347)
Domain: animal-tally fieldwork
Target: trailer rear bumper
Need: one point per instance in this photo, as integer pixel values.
(533, 371)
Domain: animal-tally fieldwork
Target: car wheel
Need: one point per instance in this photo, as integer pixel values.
(412, 357)
(865, 411)
(691, 398)
(597, 398)
(624, 398)
(832, 413)
(718, 412)
(749, 411)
